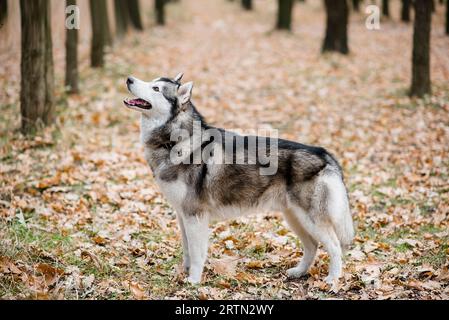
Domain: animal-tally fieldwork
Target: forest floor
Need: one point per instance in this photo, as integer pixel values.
(81, 216)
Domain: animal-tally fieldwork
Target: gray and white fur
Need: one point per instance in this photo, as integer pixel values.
(308, 186)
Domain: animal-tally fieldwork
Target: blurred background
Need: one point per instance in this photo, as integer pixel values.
(80, 214)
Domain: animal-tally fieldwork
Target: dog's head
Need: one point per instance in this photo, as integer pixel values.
(160, 98)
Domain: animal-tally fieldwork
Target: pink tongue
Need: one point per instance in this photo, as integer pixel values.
(138, 102)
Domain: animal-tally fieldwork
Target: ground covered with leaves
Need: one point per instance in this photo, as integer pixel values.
(82, 218)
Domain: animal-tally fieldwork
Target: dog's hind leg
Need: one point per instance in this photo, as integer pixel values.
(185, 245)
(197, 234)
(323, 231)
(310, 246)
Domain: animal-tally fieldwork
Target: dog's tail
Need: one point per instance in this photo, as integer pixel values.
(338, 208)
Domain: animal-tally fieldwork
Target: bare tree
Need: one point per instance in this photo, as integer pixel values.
(3, 11)
(447, 18)
(37, 74)
(105, 23)
(336, 38)
(284, 18)
(121, 17)
(247, 4)
(71, 56)
(134, 14)
(386, 8)
(159, 6)
(356, 5)
(421, 49)
(405, 11)
(97, 11)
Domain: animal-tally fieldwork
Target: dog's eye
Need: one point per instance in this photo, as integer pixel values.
(156, 89)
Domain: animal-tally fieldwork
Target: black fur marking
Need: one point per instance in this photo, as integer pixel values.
(201, 179)
(164, 79)
(290, 145)
(169, 175)
(288, 174)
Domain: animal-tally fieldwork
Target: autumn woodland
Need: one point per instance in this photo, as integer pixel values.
(81, 216)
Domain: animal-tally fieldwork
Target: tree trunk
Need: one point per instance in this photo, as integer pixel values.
(421, 49)
(71, 56)
(105, 21)
(3, 11)
(386, 8)
(447, 18)
(355, 5)
(336, 38)
(160, 11)
(247, 4)
(134, 14)
(121, 17)
(405, 12)
(285, 10)
(98, 33)
(37, 77)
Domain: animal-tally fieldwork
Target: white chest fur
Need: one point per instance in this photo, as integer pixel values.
(174, 191)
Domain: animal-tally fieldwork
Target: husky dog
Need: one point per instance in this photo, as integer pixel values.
(307, 186)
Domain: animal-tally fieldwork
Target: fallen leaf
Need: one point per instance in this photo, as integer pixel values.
(137, 290)
(225, 266)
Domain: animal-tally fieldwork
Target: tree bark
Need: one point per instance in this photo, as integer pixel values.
(134, 14)
(121, 17)
(386, 8)
(405, 11)
(71, 57)
(247, 4)
(355, 5)
(37, 74)
(98, 33)
(336, 38)
(3, 11)
(421, 49)
(160, 11)
(105, 21)
(285, 10)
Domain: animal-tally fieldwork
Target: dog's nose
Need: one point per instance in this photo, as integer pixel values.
(129, 81)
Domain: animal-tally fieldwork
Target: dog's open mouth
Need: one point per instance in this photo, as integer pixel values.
(140, 103)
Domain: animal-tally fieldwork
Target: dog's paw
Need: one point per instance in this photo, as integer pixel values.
(295, 273)
(333, 282)
(331, 279)
(193, 280)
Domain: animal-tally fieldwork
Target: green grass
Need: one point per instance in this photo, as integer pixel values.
(430, 228)
(437, 257)
(25, 235)
(368, 232)
(403, 247)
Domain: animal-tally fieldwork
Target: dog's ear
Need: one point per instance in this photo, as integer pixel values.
(178, 77)
(185, 92)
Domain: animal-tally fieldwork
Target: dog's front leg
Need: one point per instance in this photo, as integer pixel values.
(197, 233)
(185, 245)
